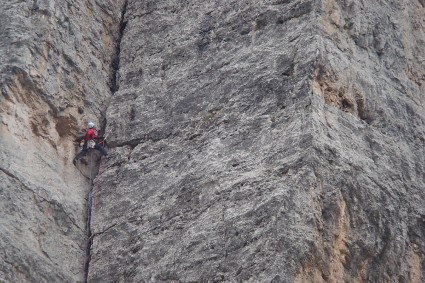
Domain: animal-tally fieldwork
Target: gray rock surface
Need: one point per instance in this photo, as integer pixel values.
(55, 75)
(251, 141)
(210, 134)
(265, 141)
(369, 117)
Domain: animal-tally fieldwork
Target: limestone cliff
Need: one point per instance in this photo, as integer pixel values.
(55, 75)
(251, 141)
(266, 141)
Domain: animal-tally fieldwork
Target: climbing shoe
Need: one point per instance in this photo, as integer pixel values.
(74, 162)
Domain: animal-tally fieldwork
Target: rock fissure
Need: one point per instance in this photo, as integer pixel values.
(55, 66)
(310, 169)
(88, 232)
(115, 65)
(131, 143)
(103, 231)
(10, 174)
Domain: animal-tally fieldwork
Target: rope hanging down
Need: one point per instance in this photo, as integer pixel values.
(93, 188)
(96, 185)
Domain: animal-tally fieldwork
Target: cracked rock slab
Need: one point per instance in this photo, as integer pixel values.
(265, 141)
(55, 75)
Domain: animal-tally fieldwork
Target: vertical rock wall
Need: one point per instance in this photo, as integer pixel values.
(368, 107)
(212, 178)
(265, 141)
(370, 127)
(252, 141)
(55, 75)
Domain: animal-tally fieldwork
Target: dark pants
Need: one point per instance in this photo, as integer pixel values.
(86, 149)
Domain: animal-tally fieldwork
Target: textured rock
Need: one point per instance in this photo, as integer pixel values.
(55, 74)
(210, 134)
(265, 141)
(369, 118)
(251, 141)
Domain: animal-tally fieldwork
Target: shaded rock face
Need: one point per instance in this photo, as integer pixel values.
(251, 141)
(212, 144)
(55, 75)
(369, 119)
(265, 141)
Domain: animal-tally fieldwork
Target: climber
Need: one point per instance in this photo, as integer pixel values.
(89, 142)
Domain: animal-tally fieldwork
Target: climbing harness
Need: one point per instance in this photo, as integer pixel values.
(91, 144)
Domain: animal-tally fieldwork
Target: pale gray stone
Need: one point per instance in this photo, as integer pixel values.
(265, 141)
(251, 141)
(55, 76)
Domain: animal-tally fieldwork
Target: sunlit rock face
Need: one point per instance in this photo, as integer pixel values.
(55, 75)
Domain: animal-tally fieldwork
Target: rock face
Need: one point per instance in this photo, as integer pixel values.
(251, 141)
(56, 74)
(265, 141)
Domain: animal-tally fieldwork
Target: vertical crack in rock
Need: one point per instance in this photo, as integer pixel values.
(115, 62)
(56, 75)
(88, 223)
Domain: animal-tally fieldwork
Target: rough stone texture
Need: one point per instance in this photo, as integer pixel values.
(369, 95)
(210, 134)
(55, 75)
(265, 141)
(252, 141)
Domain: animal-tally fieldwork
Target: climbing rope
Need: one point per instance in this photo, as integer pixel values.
(88, 223)
(94, 189)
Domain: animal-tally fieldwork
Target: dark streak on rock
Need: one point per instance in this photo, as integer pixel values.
(115, 63)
